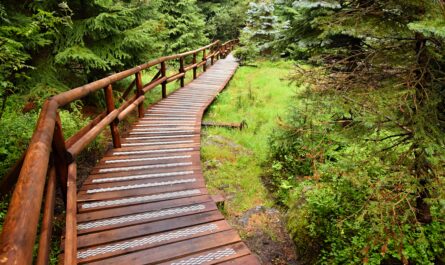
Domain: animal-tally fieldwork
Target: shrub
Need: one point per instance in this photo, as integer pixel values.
(350, 199)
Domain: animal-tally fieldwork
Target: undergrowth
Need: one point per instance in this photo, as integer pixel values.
(232, 158)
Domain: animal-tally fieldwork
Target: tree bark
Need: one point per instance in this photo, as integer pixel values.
(422, 167)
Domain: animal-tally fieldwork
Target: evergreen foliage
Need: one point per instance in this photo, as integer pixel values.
(224, 18)
(360, 162)
(49, 46)
(184, 24)
(260, 32)
(117, 36)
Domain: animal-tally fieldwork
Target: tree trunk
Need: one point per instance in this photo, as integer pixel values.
(422, 167)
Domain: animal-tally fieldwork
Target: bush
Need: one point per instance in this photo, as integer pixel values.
(349, 200)
(17, 128)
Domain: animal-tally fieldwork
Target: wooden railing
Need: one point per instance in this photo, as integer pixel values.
(51, 160)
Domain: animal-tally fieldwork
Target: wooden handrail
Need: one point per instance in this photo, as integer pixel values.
(20, 227)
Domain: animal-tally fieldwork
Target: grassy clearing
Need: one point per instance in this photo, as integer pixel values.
(232, 159)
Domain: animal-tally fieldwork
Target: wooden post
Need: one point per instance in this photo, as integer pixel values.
(212, 58)
(71, 222)
(47, 220)
(194, 68)
(140, 93)
(164, 84)
(204, 59)
(60, 156)
(181, 70)
(114, 125)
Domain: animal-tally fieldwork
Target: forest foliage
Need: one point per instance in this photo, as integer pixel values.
(359, 162)
(48, 46)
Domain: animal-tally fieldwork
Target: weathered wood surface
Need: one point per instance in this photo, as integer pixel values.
(50, 153)
(146, 202)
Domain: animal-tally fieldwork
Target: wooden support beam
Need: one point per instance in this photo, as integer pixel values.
(110, 108)
(237, 125)
(181, 70)
(140, 93)
(194, 67)
(61, 156)
(164, 84)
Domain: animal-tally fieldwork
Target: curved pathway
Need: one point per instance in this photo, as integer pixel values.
(146, 203)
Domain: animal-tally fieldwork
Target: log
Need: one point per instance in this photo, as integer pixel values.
(237, 125)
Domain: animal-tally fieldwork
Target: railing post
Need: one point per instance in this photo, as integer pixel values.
(181, 70)
(221, 51)
(194, 68)
(164, 84)
(140, 93)
(212, 59)
(114, 125)
(61, 160)
(47, 220)
(71, 222)
(204, 59)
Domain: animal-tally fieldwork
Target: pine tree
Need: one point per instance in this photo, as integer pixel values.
(372, 132)
(260, 32)
(261, 25)
(184, 24)
(109, 36)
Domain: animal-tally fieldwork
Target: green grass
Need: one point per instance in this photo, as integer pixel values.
(232, 159)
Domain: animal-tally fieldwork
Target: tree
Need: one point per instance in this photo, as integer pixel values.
(224, 18)
(50, 46)
(184, 24)
(108, 36)
(371, 135)
(260, 32)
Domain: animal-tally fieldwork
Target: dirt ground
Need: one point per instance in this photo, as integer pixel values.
(264, 232)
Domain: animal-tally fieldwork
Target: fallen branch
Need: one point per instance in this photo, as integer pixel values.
(239, 125)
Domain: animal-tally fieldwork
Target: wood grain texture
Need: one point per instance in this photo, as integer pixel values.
(146, 203)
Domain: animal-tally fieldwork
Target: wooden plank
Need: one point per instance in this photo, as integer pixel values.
(154, 240)
(153, 182)
(175, 250)
(179, 152)
(139, 174)
(144, 191)
(147, 207)
(148, 160)
(113, 235)
(140, 199)
(214, 256)
(144, 217)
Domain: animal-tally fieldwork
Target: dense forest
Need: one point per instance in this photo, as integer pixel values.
(357, 164)
(47, 47)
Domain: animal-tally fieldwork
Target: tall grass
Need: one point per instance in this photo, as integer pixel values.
(232, 158)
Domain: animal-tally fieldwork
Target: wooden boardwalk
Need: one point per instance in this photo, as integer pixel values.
(146, 203)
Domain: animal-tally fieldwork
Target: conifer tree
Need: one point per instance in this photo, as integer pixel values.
(372, 133)
(260, 32)
(109, 35)
(184, 24)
